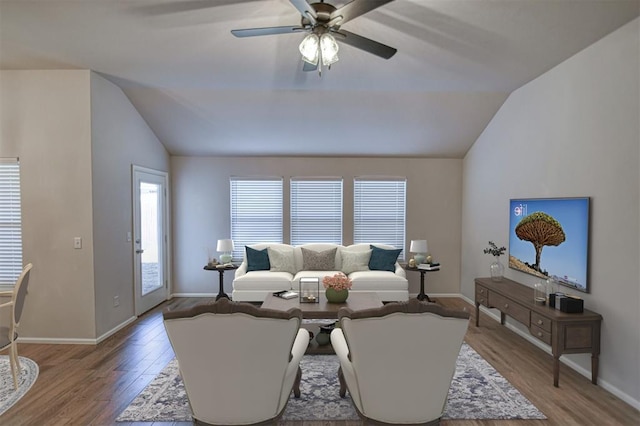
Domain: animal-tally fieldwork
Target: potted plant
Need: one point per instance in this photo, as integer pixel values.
(497, 268)
(337, 287)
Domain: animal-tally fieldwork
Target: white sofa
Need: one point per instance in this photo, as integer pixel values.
(254, 286)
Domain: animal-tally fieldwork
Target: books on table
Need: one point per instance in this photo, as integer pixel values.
(429, 266)
(284, 294)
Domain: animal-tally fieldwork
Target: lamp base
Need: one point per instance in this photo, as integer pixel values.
(226, 258)
(419, 258)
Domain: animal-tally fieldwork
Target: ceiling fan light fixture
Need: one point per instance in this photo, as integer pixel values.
(309, 49)
(329, 48)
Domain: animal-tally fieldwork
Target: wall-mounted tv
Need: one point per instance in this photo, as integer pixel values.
(549, 238)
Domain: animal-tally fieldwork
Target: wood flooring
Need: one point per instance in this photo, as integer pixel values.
(91, 385)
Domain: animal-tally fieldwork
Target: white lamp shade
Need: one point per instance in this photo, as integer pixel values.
(329, 49)
(418, 246)
(309, 49)
(225, 245)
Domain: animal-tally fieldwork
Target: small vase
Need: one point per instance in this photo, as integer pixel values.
(324, 336)
(497, 270)
(334, 296)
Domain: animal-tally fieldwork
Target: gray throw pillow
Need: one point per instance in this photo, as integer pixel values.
(281, 260)
(318, 260)
(353, 261)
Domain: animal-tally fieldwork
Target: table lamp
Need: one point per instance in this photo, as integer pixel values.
(226, 247)
(419, 247)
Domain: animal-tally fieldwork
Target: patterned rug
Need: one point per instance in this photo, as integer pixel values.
(477, 391)
(28, 376)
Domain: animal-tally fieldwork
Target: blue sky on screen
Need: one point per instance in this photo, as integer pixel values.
(569, 258)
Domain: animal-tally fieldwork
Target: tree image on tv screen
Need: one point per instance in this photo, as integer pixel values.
(541, 230)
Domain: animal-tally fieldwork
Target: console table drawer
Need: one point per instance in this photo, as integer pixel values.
(482, 295)
(508, 307)
(541, 322)
(540, 334)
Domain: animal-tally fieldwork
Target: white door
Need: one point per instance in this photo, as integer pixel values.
(150, 239)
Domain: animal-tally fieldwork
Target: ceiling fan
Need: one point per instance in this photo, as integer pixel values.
(322, 22)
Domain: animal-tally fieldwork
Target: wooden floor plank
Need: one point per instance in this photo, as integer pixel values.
(91, 385)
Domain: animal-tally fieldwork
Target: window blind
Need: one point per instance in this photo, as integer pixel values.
(316, 210)
(379, 211)
(256, 212)
(10, 221)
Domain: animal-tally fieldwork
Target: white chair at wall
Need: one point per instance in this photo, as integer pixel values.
(397, 361)
(239, 363)
(9, 334)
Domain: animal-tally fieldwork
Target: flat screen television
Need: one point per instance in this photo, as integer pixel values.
(549, 238)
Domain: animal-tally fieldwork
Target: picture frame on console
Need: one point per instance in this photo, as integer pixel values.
(549, 238)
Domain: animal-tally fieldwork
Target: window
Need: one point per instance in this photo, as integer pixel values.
(10, 222)
(316, 210)
(256, 212)
(379, 211)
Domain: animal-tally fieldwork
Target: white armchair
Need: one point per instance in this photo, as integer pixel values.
(238, 362)
(397, 361)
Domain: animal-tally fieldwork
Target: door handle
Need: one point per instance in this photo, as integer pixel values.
(139, 251)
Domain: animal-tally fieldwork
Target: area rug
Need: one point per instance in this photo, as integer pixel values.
(28, 376)
(477, 391)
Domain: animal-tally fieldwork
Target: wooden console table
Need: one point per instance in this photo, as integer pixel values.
(566, 333)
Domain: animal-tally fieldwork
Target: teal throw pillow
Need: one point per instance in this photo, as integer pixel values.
(383, 259)
(257, 260)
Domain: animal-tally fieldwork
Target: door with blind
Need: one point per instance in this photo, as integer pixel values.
(150, 212)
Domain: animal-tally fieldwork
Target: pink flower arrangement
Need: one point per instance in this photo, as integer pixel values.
(337, 282)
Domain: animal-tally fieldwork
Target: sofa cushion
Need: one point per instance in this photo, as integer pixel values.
(353, 261)
(383, 259)
(318, 260)
(260, 280)
(257, 260)
(281, 260)
(377, 280)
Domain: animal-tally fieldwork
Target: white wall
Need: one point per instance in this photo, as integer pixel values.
(120, 138)
(45, 120)
(571, 132)
(201, 209)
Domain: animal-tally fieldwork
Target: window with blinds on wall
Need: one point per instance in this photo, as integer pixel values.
(316, 210)
(10, 221)
(379, 211)
(256, 212)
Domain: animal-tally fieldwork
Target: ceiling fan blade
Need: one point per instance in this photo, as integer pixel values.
(309, 67)
(356, 8)
(366, 44)
(305, 9)
(252, 32)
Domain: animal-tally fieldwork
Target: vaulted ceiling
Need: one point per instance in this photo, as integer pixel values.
(205, 92)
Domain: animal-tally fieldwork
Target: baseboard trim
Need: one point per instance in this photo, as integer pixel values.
(116, 329)
(75, 341)
(56, 341)
(563, 359)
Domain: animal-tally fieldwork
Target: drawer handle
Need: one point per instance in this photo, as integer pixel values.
(481, 300)
(506, 306)
(539, 334)
(540, 322)
(481, 291)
